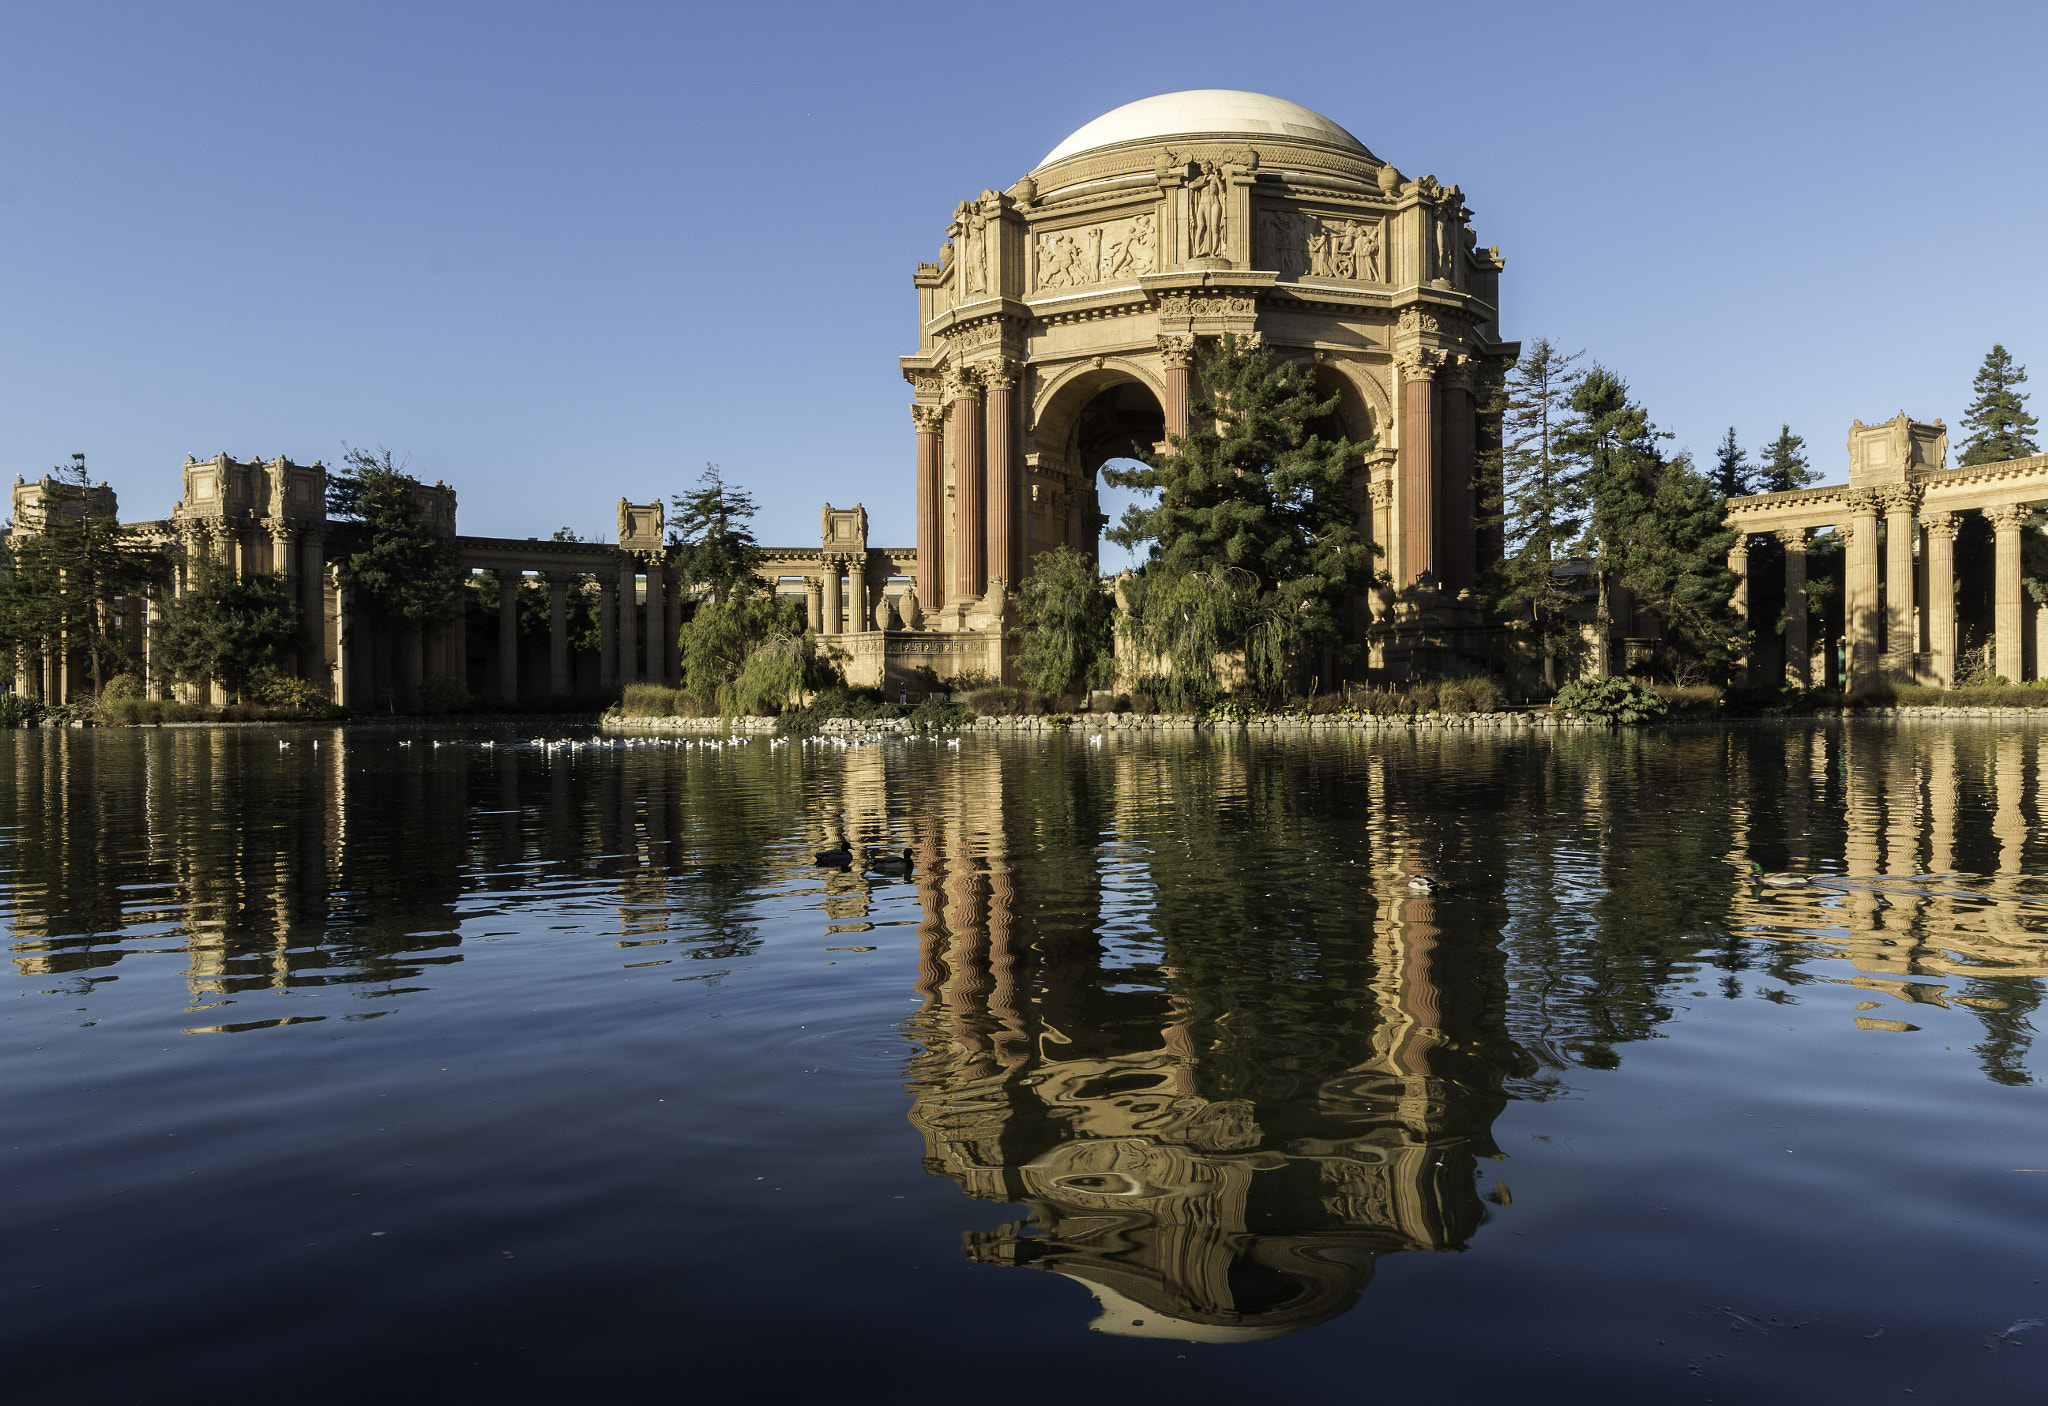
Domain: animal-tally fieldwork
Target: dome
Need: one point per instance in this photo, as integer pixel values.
(1206, 112)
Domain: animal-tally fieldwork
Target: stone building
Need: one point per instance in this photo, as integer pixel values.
(1057, 331)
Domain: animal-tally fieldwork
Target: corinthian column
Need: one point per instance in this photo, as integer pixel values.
(1738, 562)
(2008, 598)
(1005, 496)
(970, 512)
(558, 633)
(1455, 545)
(931, 503)
(1941, 595)
(835, 619)
(657, 622)
(1900, 503)
(1860, 618)
(1798, 668)
(508, 635)
(1177, 357)
(1418, 467)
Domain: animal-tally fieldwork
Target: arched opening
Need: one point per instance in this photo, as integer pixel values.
(1098, 416)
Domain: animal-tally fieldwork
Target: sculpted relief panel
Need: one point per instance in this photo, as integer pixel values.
(1081, 258)
(1302, 245)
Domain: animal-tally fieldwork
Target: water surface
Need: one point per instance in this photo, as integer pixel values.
(532, 1068)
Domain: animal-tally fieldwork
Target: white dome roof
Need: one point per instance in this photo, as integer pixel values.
(1205, 112)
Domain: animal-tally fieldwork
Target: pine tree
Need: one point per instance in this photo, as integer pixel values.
(1255, 507)
(1785, 469)
(1998, 420)
(1733, 478)
(224, 629)
(404, 571)
(1655, 524)
(1543, 505)
(713, 538)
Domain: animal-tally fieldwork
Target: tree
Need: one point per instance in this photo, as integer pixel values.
(723, 636)
(1066, 625)
(1733, 478)
(1998, 420)
(1655, 523)
(1543, 500)
(224, 629)
(405, 573)
(71, 563)
(1251, 498)
(1785, 469)
(714, 538)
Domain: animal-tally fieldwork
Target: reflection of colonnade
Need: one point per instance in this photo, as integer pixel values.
(1902, 515)
(1191, 1207)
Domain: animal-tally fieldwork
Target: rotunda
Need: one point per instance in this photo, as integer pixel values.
(1058, 327)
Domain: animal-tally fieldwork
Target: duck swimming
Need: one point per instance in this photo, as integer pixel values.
(1776, 881)
(883, 861)
(838, 858)
(1423, 883)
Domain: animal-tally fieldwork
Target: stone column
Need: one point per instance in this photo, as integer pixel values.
(345, 691)
(607, 633)
(508, 635)
(1177, 357)
(1941, 595)
(1798, 664)
(931, 502)
(814, 590)
(629, 642)
(1455, 544)
(2008, 596)
(834, 615)
(1418, 469)
(1860, 617)
(558, 633)
(1738, 562)
(313, 605)
(970, 509)
(672, 633)
(1900, 504)
(1005, 481)
(657, 621)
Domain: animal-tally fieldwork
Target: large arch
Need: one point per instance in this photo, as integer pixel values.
(1089, 416)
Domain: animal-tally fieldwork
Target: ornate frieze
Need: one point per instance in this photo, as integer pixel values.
(1206, 304)
(1306, 244)
(1103, 253)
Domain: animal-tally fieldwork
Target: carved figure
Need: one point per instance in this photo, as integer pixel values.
(1320, 262)
(1369, 251)
(1205, 197)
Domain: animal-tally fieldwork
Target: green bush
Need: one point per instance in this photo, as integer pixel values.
(19, 710)
(838, 701)
(1473, 693)
(933, 713)
(1002, 702)
(1983, 695)
(1609, 700)
(1688, 698)
(295, 696)
(653, 700)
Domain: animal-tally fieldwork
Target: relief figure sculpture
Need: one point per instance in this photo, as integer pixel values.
(1205, 198)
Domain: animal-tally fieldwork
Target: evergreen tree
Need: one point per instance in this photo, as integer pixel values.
(1543, 504)
(2000, 427)
(1733, 478)
(1256, 504)
(1066, 625)
(1655, 523)
(1785, 469)
(224, 629)
(70, 564)
(405, 572)
(713, 538)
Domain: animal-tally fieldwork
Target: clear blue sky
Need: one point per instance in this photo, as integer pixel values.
(559, 253)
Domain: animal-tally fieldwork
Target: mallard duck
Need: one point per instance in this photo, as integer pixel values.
(1423, 883)
(837, 858)
(882, 861)
(1776, 881)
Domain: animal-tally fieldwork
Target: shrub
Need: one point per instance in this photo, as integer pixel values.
(1609, 700)
(444, 693)
(19, 710)
(838, 701)
(1686, 698)
(1473, 693)
(653, 700)
(933, 713)
(1002, 702)
(121, 686)
(295, 696)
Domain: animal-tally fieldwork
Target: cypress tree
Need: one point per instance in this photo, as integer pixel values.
(1998, 420)
(1255, 510)
(1733, 478)
(1543, 500)
(1785, 468)
(714, 537)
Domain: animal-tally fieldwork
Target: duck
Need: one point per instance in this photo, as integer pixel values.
(1423, 883)
(1776, 881)
(883, 861)
(839, 858)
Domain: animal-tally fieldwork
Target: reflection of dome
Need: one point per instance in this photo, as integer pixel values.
(1206, 112)
(1125, 1317)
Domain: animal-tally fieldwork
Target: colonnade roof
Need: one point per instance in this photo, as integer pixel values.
(2004, 483)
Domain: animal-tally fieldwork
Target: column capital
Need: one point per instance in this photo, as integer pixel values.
(961, 385)
(929, 419)
(1421, 364)
(1381, 494)
(998, 375)
(1176, 353)
(559, 578)
(1792, 539)
(1942, 524)
(1899, 499)
(1861, 501)
(2009, 517)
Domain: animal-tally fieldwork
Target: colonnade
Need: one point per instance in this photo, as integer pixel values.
(1899, 614)
(633, 648)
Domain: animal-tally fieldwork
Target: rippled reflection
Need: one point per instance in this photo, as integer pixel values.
(1179, 998)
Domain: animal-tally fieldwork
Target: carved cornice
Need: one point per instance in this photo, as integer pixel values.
(925, 382)
(1177, 353)
(929, 419)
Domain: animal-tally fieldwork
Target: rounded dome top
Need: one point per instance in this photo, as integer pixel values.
(1206, 112)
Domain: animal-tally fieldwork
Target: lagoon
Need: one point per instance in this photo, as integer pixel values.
(536, 1065)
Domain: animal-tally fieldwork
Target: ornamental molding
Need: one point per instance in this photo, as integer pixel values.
(1207, 305)
(998, 375)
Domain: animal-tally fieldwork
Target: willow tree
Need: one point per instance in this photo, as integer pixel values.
(1065, 635)
(1254, 523)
